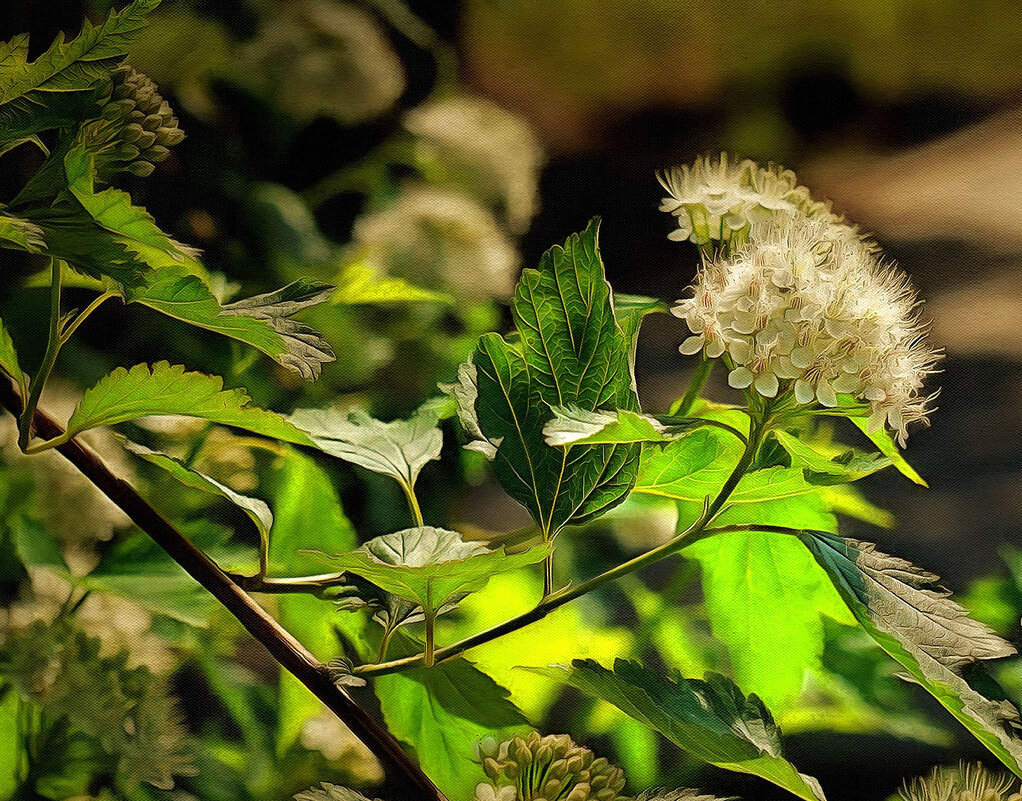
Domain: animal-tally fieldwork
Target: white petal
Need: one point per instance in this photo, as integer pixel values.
(766, 385)
(804, 392)
(740, 378)
(692, 345)
(847, 382)
(715, 349)
(740, 350)
(801, 357)
(678, 235)
(825, 392)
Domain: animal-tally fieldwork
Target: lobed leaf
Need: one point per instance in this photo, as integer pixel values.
(163, 389)
(262, 321)
(429, 565)
(58, 88)
(710, 719)
(912, 618)
(571, 350)
(399, 449)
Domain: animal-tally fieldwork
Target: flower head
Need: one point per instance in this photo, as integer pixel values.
(551, 768)
(806, 304)
(964, 783)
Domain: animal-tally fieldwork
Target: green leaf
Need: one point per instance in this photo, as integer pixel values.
(693, 468)
(443, 712)
(399, 449)
(56, 88)
(164, 389)
(258, 512)
(9, 359)
(912, 618)
(308, 515)
(630, 311)
(571, 351)
(882, 439)
(851, 465)
(34, 544)
(263, 321)
(358, 284)
(572, 425)
(765, 597)
(20, 233)
(711, 719)
(429, 565)
(129, 225)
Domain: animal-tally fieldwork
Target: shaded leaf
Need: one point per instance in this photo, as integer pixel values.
(164, 389)
(429, 565)
(571, 351)
(258, 512)
(35, 545)
(912, 618)
(711, 719)
(20, 233)
(263, 321)
(55, 89)
(399, 449)
(9, 358)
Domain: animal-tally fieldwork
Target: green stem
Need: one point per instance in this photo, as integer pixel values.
(429, 657)
(413, 505)
(558, 599)
(683, 406)
(98, 301)
(53, 343)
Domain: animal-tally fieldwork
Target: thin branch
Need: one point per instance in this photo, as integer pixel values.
(288, 651)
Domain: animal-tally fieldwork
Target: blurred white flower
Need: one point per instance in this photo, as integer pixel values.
(964, 783)
(487, 792)
(806, 306)
(439, 238)
(484, 148)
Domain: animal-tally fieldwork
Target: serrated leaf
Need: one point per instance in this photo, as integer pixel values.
(256, 510)
(429, 565)
(443, 712)
(9, 358)
(358, 284)
(912, 618)
(262, 321)
(399, 449)
(20, 234)
(129, 225)
(850, 465)
(56, 88)
(571, 351)
(572, 425)
(882, 439)
(163, 389)
(710, 719)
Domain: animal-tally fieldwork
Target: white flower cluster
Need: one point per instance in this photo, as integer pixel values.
(720, 200)
(806, 306)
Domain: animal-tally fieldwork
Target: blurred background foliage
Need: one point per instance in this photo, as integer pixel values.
(417, 155)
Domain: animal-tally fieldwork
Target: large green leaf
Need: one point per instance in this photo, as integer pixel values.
(263, 321)
(256, 510)
(912, 618)
(689, 469)
(429, 565)
(308, 515)
(164, 389)
(443, 712)
(55, 89)
(571, 351)
(765, 597)
(711, 719)
(399, 449)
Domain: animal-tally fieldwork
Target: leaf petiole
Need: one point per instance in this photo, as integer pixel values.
(53, 343)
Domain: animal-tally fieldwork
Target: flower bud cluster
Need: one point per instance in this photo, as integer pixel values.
(965, 783)
(806, 305)
(136, 128)
(551, 768)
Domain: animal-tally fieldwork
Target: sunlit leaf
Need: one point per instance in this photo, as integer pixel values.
(912, 618)
(429, 565)
(572, 425)
(851, 465)
(571, 351)
(711, 719)
(164, 389)
(359, 284)
(399, 449)
(882, 439)
(263, 321)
